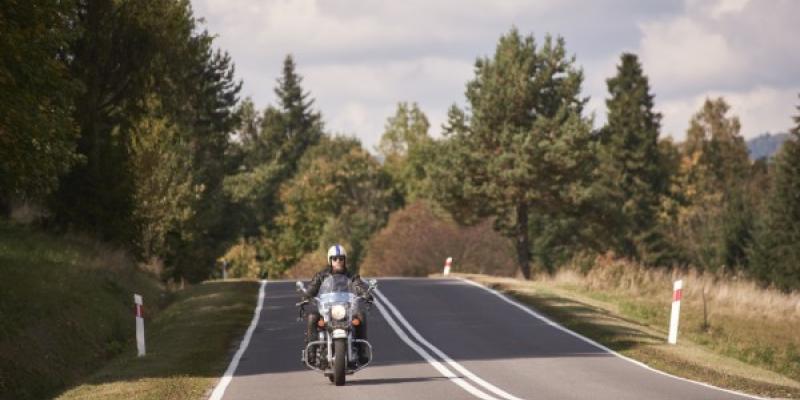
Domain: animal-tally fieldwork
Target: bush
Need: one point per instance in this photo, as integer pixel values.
(419, 238)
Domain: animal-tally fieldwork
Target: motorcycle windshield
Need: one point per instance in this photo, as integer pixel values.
(335, 288)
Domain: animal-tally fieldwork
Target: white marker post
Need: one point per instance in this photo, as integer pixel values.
(447, 265)
(139, 325)
(677, 293)
(224, 269)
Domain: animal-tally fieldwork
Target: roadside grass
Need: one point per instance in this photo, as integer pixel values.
(748, 342)
(66, 308)
(189, 345)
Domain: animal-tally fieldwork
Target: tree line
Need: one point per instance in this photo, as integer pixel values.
(120, 119)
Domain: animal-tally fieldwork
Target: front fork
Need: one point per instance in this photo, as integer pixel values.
(326, 339)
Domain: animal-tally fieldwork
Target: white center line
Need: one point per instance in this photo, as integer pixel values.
(455, 365)
(439, 367)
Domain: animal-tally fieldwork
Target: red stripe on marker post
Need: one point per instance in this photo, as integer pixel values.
(137, 299)
(447, 265)
(677, 294)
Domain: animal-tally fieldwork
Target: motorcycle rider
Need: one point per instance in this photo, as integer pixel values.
(337, 264)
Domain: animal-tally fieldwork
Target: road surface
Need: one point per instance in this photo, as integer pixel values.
(446, 339)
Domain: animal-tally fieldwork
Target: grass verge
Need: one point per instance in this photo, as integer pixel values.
(66, 308)
(636, 326)
(189, 345)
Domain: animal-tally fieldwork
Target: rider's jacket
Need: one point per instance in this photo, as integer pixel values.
(357, 285)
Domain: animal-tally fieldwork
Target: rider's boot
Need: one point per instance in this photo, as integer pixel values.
(363, 354)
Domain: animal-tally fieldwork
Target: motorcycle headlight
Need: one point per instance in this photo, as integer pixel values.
(338, 312)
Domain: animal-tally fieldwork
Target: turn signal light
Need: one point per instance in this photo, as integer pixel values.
(321, 323)
(356, 322)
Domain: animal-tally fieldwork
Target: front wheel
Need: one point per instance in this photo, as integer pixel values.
(339, 361)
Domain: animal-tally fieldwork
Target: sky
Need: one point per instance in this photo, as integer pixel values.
(359, 59)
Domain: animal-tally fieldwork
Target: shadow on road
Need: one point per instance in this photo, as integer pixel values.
(388, 381)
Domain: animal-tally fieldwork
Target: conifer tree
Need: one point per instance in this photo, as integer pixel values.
(776, 251)
(271, 153)
(526, 150)
(210, 121)
(631, 172)
(302, 126)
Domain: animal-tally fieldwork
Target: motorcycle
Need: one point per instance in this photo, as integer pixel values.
(335, 352)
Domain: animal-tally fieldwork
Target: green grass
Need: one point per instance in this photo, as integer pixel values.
(66, 308)
(734, 353)
(189, 346)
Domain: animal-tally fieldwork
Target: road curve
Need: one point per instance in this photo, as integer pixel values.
(447, 339)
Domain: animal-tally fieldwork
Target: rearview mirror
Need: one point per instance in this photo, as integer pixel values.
(300, 287)
(372, 283)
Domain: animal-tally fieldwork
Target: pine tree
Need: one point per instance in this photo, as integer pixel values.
(631, 175)
(776, 251)
(302, 126)
(271, 153)
(527, 149)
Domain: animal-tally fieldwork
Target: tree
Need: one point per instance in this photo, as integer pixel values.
(339, 194)
(407, 151)
(37, 131)
(523, 149)
(631, 171)
(163, 194)
(713, 222)
(122, 50)
(209, 119)
(776, 249)
(271, 152)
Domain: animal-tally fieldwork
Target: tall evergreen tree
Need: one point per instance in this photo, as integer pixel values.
(302, 126)
(776, 251)
(526, 151)
(631, 172)
(209, 120)
(271, 157)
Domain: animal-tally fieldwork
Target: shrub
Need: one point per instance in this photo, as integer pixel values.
(419, 238)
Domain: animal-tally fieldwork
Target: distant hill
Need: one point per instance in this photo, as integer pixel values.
(765, 145)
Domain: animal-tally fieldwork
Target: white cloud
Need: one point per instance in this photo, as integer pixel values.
(683, 53)
(761, 109)
(742, 50)
(359, 58)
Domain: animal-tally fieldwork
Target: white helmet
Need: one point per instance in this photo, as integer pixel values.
(336, 250)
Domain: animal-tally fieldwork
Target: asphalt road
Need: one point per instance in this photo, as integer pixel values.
(447, 339)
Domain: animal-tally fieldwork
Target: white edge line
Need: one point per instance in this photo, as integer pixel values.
(598, 345)
(219, 390)
(437, 365)
(458, 367)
